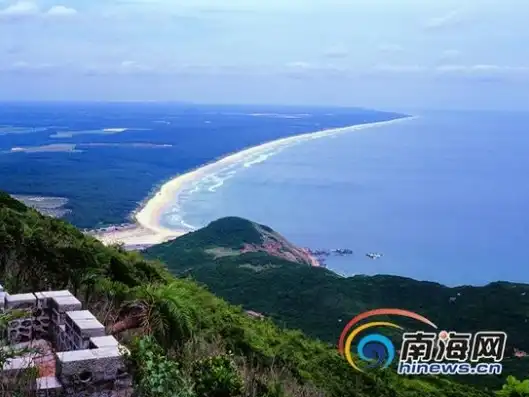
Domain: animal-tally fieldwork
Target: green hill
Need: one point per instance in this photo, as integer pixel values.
(203, 346)
(319, 302)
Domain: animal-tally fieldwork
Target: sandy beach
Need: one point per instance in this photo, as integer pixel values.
(149, 231)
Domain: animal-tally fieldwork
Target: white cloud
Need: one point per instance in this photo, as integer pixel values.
(471, 69)
(337, 51)
(61, 11)
(390, 48)
(219, 70)
(308, 70)
(29, 9)
(134, 67)
(292, 69)
(13, 49)
(451, 18)
(128, 64)
(449, 55)
(26, 67)
(483, 71)
(298, 65)
(129, 67)
(478, 72)
(123, 68)
(20, 9)
(399, 68)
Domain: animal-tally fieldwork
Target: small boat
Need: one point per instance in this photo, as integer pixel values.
(342, 251)
(373, 255)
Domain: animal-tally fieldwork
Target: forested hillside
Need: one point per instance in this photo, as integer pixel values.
(319, 302)
(185, 341)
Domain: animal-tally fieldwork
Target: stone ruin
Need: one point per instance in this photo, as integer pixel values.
(67, 348)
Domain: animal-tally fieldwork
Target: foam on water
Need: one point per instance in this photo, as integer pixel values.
(209, 184)
(442, 198)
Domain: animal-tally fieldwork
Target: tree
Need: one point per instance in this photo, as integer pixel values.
(514, 388)
(158, 311)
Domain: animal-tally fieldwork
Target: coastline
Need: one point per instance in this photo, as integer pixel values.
(147, 230)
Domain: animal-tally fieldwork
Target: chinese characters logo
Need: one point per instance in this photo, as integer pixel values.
(422, 353)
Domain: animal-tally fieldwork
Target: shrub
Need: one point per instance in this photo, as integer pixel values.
(155, 375)
(514, 388)
(217, 376)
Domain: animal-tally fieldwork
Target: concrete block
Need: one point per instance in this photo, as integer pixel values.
(17, 366)
(48, 386)
(41, 316)
(41, 325)
(80, 326)
(54, 332)
(104, 341)
(56, 317)
(65, 342)
(44, 297)
(2, 301)
(90, 361)
(21, 301)
(80, 315)
(72, 316)
(89, 366)
(20, 330)
(53, 294)
(64, 304)
(76, 340)
(89, 328)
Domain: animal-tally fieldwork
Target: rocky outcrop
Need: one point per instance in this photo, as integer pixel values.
(276, 245)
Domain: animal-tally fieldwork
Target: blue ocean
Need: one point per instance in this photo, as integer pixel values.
(106, 158)
(442, 196)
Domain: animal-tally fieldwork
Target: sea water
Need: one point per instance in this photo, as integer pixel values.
(443, 197)
(106, 158)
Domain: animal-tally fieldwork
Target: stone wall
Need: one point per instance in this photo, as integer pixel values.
(88, 363)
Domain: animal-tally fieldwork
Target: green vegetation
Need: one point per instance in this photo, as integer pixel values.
(185, 341)
(315, 299)
(19, 383)
(514, 388)
(231, 232)
(319, 302)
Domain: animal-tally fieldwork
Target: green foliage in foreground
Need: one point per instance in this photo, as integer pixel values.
(6, 352)
(19, 384)
(154, 374)
(38, 252)
(217, 376)
(514, 388)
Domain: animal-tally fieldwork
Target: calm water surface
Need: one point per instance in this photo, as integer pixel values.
(443, 197)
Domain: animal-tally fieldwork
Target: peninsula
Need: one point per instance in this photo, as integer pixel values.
(149, 228)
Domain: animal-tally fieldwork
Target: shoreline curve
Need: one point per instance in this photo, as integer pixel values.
(147, 230)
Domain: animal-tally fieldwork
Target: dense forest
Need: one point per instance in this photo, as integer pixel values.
(318, 301)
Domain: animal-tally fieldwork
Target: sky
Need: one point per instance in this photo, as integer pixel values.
(387, 54)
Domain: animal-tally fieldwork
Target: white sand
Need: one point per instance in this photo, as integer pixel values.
(135, 236)
(149, 231)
